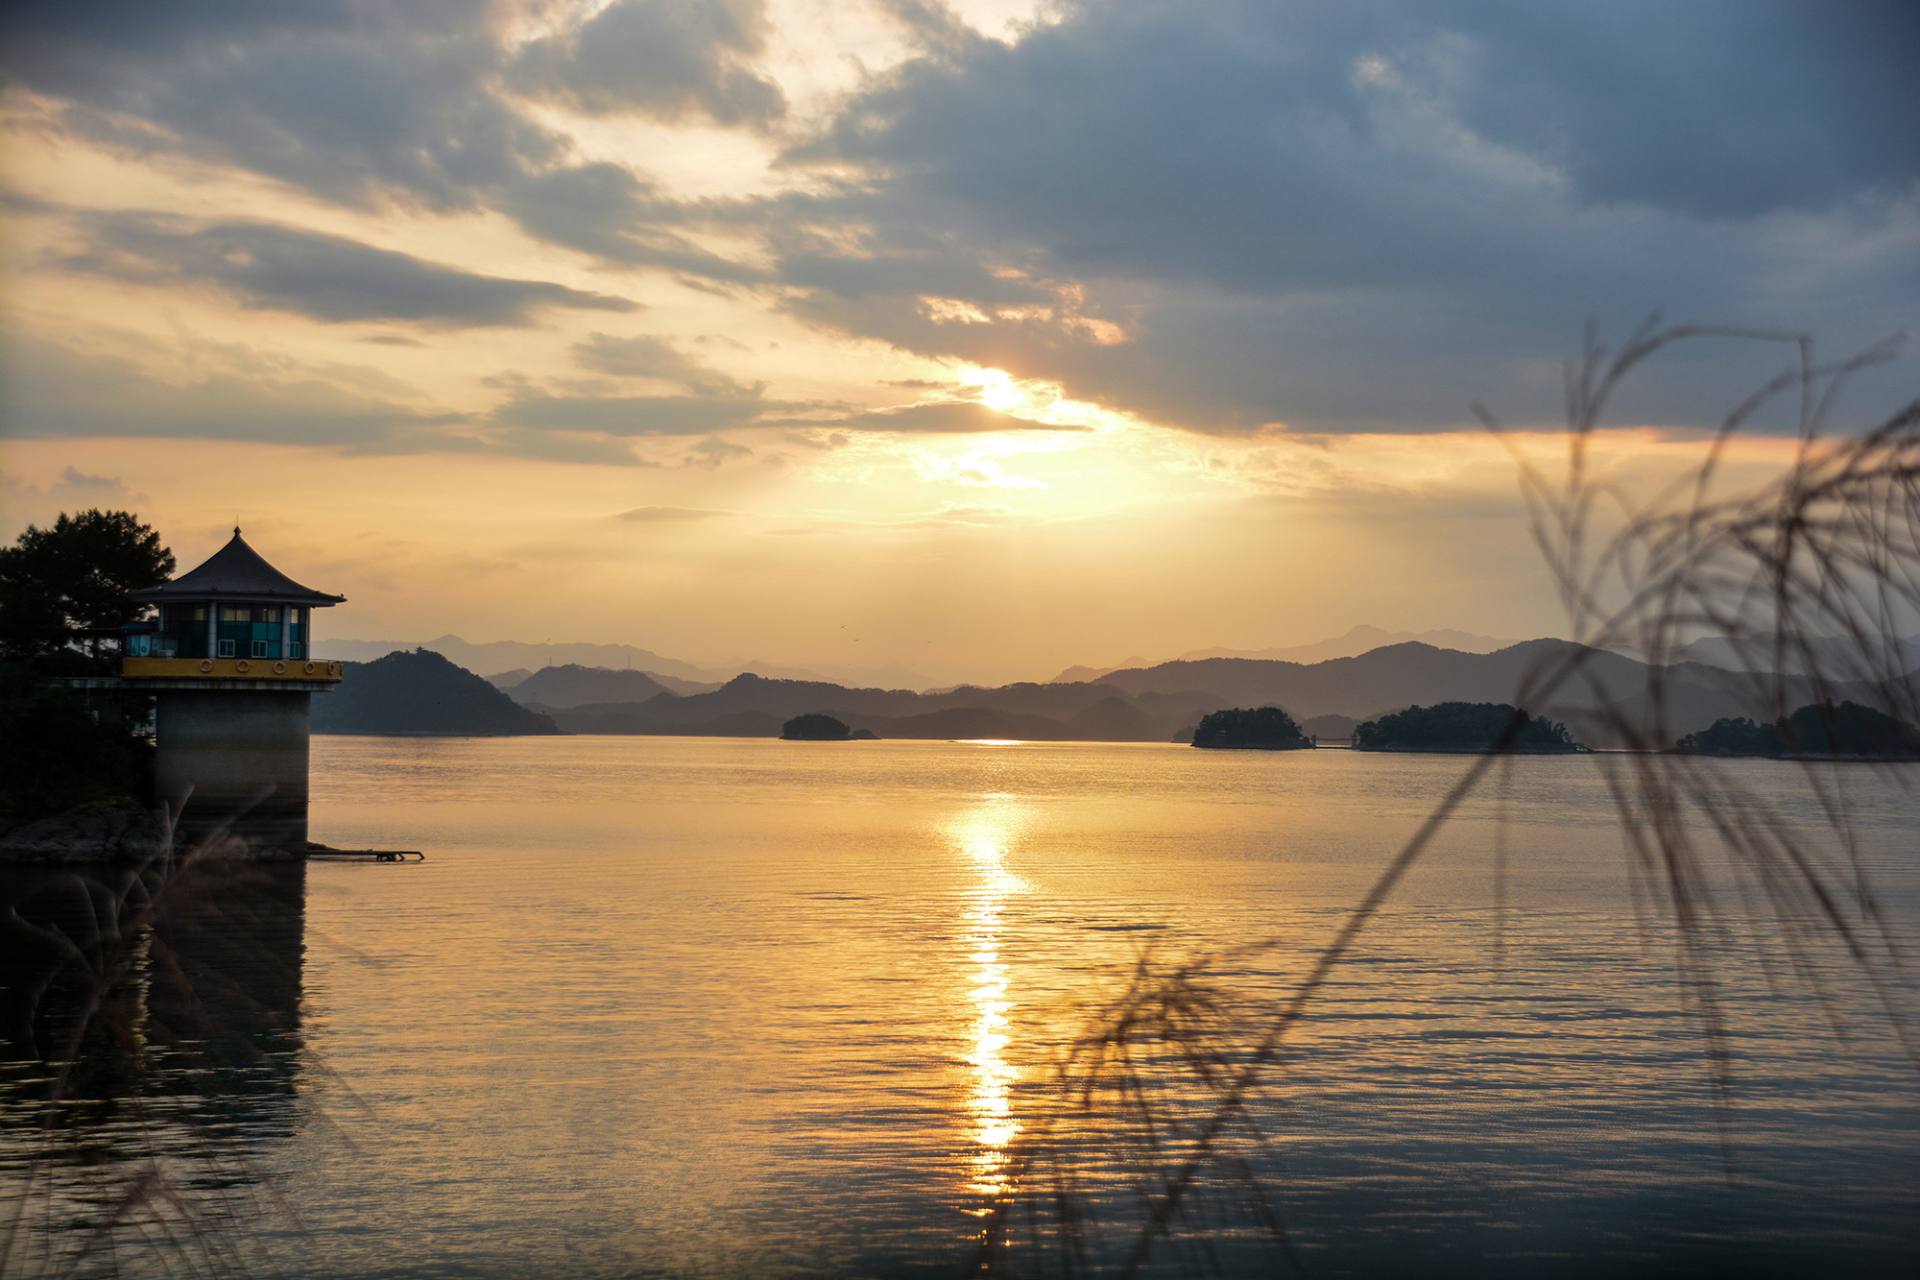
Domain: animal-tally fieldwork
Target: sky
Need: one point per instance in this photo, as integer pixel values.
(955, 341)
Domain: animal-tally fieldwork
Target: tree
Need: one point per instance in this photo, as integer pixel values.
(75, 577)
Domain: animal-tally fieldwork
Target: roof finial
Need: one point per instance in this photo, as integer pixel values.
(236, 528)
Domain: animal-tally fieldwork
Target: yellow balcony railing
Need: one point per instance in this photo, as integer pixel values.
(293, 670)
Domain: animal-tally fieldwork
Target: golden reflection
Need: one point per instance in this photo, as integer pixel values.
(983, 836)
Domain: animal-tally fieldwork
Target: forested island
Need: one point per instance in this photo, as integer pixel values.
(815, 726)
(1818, 730)
(1465, 727)
(1251, 729)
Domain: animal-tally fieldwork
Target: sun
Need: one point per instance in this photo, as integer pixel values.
(998, 390)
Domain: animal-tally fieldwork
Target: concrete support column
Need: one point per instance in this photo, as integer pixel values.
(235, 757)
(213, 628)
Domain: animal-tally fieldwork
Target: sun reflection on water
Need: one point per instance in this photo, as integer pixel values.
(983, 836)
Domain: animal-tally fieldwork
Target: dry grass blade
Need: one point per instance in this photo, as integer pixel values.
(1803, 578)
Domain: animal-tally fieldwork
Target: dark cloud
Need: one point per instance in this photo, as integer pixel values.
(367, 105)
(629, 415)
(51, 390)
(1355, 216)
(325, 277)
(664, 58)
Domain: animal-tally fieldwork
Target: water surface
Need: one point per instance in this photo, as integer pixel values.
(725, 1007)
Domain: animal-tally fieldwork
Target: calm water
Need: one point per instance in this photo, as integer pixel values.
(716, 1007)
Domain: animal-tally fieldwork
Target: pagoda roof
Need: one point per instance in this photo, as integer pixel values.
(236, 572)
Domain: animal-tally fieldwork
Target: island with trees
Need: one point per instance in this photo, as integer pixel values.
(1846, 731)
(1465, 728)
(1251, 729)
(817, 726)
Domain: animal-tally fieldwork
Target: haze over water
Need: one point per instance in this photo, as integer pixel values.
(721, 1007)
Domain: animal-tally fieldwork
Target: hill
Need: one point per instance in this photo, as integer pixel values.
(421, 693)
(573, 685)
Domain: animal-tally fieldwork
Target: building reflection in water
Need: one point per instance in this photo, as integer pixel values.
(983, 835)
(150, 1055)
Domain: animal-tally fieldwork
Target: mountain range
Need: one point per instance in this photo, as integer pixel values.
(502, 659)
(1358, 640)
(1146, 702)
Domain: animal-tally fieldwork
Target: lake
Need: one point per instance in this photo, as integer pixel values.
(716, 1007)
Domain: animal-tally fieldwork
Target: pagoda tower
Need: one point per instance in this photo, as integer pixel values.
(230, 665)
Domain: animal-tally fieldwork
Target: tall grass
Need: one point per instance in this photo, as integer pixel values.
(160, 1002)
(1807, 577)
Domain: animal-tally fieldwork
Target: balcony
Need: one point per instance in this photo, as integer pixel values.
(317, 671)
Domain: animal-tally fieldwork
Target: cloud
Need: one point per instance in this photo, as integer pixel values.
(669, 515)
(652, 357)
(325, 277)
(714, 453)
(52, 390)
(365, 105)
(669, 59)
(1362, 217)
(949, 417)
(629, 415)
(74, 490)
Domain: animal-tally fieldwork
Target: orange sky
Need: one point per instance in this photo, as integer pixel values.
(692, 362)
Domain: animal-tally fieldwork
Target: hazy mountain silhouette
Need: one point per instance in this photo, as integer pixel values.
(1357, 640)
(573, 685)
(421, 692)
(1158, 703)
(503, 657)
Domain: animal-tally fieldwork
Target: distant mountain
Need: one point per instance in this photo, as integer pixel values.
(508, 679)
(421, 692)
(1087, 675)
(496, 656)
(574, 685)
(1835, 657)
(1334, 727)
(1359, 640)
(1156, 703)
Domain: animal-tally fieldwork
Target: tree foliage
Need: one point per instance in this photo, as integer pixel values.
(1463, 726)
(77, 575)
(1267, 728)
(54, 755)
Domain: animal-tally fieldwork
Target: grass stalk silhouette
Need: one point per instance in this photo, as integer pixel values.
(1809, 580)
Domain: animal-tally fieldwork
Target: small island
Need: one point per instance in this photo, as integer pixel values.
(1819, 731)
(1465, 728)
(1251, 729)
(817, 726)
